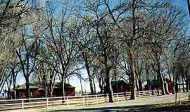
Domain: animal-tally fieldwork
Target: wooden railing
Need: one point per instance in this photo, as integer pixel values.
(85, 100)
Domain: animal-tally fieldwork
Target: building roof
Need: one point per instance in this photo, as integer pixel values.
(23, 86)
(39, 86)
(66, 85)
(118, 82)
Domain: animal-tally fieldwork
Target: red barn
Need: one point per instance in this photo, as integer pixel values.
(120, 86)
(170, 86)
(38, 91)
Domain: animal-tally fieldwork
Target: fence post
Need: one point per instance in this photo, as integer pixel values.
(137, 93)
(47, 103)
(117, 96)
(63, 99)
(125, 95)
(22, 105)
(149, 93)
(84, 100)
(107, 98)
(96, 98)
(152, 92)
(67, 100)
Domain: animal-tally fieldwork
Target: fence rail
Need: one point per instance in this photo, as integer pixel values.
(14, 104)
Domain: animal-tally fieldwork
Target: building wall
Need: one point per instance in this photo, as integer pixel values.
(68, 92)
(41, 93)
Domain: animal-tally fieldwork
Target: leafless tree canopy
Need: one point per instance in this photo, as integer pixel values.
(137, 41)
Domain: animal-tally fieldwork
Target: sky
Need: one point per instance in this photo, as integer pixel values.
(76, 82)
(182, 4)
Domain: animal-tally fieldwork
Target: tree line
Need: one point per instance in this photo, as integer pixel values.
(132, 40)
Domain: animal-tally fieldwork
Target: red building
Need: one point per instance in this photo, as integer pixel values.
(38, 91)
(170, 86)
(120, 86)
(156, 85)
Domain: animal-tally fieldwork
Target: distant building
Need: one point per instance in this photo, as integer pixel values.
(39, 91)
(156, 85)
(120, 86)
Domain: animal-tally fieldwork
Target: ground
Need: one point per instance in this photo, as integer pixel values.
(147, 104)
(185, 107)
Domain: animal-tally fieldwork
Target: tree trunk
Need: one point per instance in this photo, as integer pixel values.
(183, 87)
(51, 92)
(94, 86)
(50, 88)
(14, 82)
(27, 87)
(45, 85)
(109, 86)
(14, 89)
(91, 85)
(100, 85)
(133, 92)
(140, 85)
(8, 81)
(188, 4)
(88, 72)
(161, 80)
(147, 77)
(81, 87)
(137, 85)
(183, 80)
(159, 75)
(9, 92)
(170, 78)
(115, 73)
(132, 75)
(166, 87)
(176, 88)
(51, 83)
(130, 53)
(63, 85)
(187, 85)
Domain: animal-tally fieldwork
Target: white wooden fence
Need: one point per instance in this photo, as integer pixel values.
(85, 100)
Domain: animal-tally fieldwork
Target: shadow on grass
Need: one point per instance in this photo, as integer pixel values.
(184, 107)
